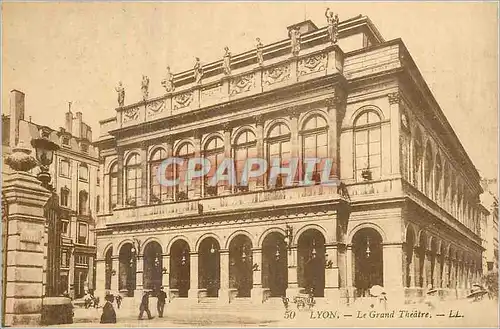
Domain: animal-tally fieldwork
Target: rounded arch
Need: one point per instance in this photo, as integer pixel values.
(235, 234)
(409, 229)
(177, 238)
(267, 232)
(240, 130)
(149, 240)
(364, 109)
(304, 228)
(268, 127)
(207, 235)
(104, 251)
(129, 154)
(122, 243)
(310, 114)
(110, 165)
(152, 151)
(361, 226)
(209, 137)
(180, 143)
(422, 239)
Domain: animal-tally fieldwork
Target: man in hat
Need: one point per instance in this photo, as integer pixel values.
(108, 312)
(144, 307)
(160, 305)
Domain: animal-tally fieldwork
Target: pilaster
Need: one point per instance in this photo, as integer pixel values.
(25, 249)
(393, 271)
(257, 291)
(224, 277)
(394, 101)
(193, 277)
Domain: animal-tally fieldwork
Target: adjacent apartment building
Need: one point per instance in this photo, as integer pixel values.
(75, 179)
(406, 216)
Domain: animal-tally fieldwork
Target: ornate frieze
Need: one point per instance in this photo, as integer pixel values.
(276, 74)
(155, 107)
(131, 114)
(312, 64)
(182, 100)
(242, 84)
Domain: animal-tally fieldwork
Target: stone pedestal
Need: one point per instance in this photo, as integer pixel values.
(25, 200)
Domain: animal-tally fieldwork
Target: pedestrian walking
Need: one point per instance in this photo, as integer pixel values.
(108, 312)
(160, 305)
(118, 300)
(145, 306)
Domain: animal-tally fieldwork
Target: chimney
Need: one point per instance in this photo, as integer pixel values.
(77, 131)
(16, 114)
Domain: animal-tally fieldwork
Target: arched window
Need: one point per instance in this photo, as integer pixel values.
(278, 147)
(446, 187)
(244, 148)
(405, 147)
(437, 179)
(417, 160)
(113, 186)
(83, 197)
(428, 167)
(367, 146)
(186, 152)
(315, 144)
(214, 152)
(157, 192)
(133, 179)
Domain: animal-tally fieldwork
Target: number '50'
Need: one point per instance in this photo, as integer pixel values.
(289, 314)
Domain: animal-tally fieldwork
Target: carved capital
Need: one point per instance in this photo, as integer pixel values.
(197, 134)
(394, 98)
(293, 111)
(259, 119)
(334, 102)
(227, 127)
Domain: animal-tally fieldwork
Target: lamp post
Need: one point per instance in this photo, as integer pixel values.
(288, 238)
(44, 149)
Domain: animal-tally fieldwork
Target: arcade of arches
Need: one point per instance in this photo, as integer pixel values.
(267, 266)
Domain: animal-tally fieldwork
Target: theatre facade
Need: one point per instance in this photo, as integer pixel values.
(406, 215)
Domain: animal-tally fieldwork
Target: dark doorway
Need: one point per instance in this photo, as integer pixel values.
(240, 265)
(274, 264)
(209, 266)
(180, 268)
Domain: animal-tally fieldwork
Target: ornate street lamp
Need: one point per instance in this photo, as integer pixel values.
(368, 251)
(20, 159)
(44, 149)
(243, 254)
(183, 258)
(277, 252)
(313, 251)
(212, 249)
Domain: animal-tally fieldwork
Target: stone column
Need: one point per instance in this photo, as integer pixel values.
(416, 264)
(144, 174)
(228, 185)
(139, 274)
(349, 273)
(332, 285)
(259, 136)
(257, 291)
(333, 105)
(71, 274)
(412, 269)
(445, 273)
(193, 276)
(294, 141)
(224, 277)
(198, 182)
(394, 99)
(293, 287)
(428, 268)
(100, 288)
(115, 278)
(120, 164)
(393, 271)
(25, 249)
(166, 274)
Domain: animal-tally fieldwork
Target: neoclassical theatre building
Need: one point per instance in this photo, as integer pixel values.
(405, 217)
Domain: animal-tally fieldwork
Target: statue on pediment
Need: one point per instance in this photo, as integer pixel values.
(168, 82)
(259, 49)
(294, 34)
(145, 87)
(333, 25)
(120, 90)
(197, 71)
(226, 61)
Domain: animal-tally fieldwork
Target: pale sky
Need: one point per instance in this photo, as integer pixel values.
(61, 52)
